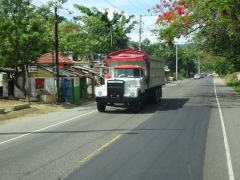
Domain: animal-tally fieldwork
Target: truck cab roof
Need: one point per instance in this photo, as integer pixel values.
(127, 67)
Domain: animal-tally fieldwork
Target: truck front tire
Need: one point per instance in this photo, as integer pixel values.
(136, 107)
(101, 106)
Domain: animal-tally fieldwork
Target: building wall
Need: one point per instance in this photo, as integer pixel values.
(41, 73)
(4, 84)
(49, 87)
(78, 89)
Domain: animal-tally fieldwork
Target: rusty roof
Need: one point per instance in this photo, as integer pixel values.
(48, 59)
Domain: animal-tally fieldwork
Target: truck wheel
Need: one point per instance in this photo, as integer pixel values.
(137, 106)
(155, 96)
(159, 94)
(101, 107)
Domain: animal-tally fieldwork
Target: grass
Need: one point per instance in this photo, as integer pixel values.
(235, 86)
(232, 81)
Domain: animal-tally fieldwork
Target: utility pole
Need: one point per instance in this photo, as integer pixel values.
(111, 34)
(198, 65)
(176, 62)
(140, 33)
(56, 56)
(54, 84)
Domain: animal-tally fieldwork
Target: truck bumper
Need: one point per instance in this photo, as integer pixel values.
(116, 99)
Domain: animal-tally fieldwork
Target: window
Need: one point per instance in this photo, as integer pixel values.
(39, 83)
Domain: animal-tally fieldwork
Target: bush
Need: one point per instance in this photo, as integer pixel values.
(231, 77)
(232, 81)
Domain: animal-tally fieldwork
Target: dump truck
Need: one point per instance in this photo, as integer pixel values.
(132, 79)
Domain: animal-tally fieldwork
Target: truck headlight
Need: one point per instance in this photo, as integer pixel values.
(99, 93)
(131, 94)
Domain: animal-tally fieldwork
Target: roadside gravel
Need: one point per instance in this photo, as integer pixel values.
(36, 108)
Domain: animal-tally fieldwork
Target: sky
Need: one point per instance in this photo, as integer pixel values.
(130, 7)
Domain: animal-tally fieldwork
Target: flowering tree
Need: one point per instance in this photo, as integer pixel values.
(214, 25)
(173, 15)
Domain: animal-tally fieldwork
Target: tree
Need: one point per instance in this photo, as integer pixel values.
(95, 31)
(213, 24)
(147, 46)
(222, 67)
(24, 35)
(83, 40)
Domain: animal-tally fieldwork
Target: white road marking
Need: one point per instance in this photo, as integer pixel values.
(46, 127)
(229, 161)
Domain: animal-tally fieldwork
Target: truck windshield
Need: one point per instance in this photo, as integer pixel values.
(127, 73)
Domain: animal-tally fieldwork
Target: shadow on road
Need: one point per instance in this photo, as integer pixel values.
(164, 105)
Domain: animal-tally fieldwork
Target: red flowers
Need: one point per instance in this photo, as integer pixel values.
(169, 10)
(180, 10)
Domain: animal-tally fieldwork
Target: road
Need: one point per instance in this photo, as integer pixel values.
(193, 133)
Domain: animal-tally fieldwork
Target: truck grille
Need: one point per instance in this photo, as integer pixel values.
(115, 88)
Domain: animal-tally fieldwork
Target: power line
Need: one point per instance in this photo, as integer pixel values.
(59, 11)
(113, 5)
(136, 6)
(141, 5)
(145, 3)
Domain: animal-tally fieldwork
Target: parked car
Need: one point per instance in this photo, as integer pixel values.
(197, 76)
(201, 75)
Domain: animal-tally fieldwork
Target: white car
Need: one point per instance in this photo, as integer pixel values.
(197, 76)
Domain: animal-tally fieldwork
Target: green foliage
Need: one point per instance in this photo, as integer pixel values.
(214, 26)
(232, 81)
(135, 45)
(231, 77)
(24, 34)
(223, 67)
(94, 31)
(147, 46)
(235, 86)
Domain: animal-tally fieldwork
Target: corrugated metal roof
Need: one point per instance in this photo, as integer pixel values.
(75, 71)
(61, 72)
(83, 71)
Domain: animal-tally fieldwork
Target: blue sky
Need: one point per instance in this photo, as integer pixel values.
(130, 7)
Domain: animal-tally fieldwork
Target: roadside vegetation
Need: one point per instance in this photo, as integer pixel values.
(232, 81)
(212, 27)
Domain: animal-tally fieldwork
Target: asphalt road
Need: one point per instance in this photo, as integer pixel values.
(193, 133)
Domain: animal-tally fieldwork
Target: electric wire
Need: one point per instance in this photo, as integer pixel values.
(145, 27)
(59, 11)
(142, 5)
(113, 6)
(145, 3)
(136, 6)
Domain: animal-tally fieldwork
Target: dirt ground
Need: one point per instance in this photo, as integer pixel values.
(36, 108)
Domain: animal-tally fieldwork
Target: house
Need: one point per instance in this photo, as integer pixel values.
(41, 79)
(6, 83)
(77, 79)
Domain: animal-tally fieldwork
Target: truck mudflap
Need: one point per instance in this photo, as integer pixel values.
(116, 99)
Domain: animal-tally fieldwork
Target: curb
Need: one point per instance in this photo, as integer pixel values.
(20, 106)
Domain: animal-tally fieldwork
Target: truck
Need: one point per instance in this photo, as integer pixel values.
(132, 79)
